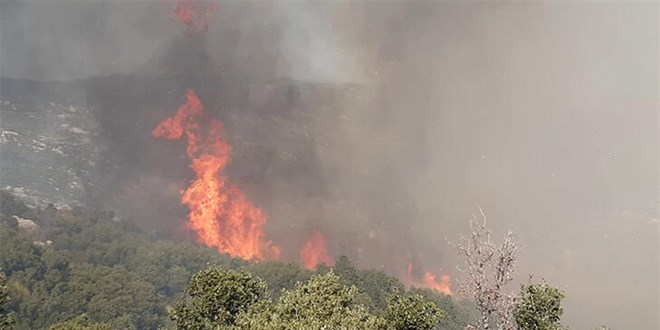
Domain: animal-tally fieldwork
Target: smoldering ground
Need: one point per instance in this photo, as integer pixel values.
(385, 125)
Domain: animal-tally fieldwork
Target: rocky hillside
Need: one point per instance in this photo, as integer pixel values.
(49, 146)
(89, 143)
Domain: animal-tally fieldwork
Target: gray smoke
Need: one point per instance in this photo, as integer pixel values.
(545, 115)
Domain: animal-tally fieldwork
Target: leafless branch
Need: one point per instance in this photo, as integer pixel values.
(489, 268)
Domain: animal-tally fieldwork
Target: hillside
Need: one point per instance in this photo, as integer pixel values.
(63, 263)
(88, 142)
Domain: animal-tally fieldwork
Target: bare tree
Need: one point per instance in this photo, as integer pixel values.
(489, 268)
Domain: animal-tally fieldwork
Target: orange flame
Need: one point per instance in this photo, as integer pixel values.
(315, 252)
(194, 12)
(428, 281)
(442, 286)
(220, 214)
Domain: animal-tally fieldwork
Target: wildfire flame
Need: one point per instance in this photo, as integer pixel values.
(315, 252)
(442, 286)
(192, 13)
(220, 214)
(428, 281)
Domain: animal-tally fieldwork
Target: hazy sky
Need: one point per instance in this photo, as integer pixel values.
(543, 114)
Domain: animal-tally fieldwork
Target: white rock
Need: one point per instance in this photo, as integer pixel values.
(26, 224)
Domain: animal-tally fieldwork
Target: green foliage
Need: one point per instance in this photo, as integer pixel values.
(412, 312)
(321, 303)
(116, 295)
(458, 315)
(214, 298)
(106, 269)
(374, 287)
(539, 307)
(6, 320)
(120, 277)
(280, 276)
(81, 322)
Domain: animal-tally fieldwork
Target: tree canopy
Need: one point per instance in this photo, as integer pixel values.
(321, 303)
(6, 320)
(215, 297)
(86, 268)
(412, 312)
(539, 307)
(225, 299)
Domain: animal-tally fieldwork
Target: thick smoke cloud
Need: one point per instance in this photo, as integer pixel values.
(62, 40)
(545, 115)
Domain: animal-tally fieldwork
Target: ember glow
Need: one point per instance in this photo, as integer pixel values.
(315, 252)
(194, 14)
(220, 214)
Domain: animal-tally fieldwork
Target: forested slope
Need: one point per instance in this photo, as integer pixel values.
(61, 264)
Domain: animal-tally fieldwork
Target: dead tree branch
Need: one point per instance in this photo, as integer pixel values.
(489, 268)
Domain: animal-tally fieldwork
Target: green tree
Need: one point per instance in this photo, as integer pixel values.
(321, 303)
(539, 307)
(214, 298)
(458, 315)
(6, 319)
(374, 287)
(412, 312)
(87, 262)
(279, 275)
(81, 322)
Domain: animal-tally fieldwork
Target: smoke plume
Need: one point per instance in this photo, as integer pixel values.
(384, 126)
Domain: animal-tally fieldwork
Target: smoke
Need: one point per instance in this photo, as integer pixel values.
(406, 117)
(545, 115)
(77, 39)
(311, 47)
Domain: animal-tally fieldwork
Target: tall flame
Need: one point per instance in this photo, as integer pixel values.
(220, 214)
(315, 252)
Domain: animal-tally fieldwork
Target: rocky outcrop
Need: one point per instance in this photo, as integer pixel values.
(48, 149)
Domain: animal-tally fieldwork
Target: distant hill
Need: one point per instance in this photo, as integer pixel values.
(87, 142)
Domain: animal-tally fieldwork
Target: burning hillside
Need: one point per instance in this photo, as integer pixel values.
(252, 168)
(220, 214)
(307, 132)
